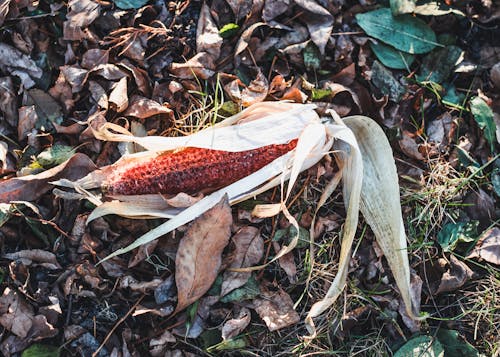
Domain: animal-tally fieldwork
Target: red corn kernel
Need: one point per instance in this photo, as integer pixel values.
(193, 170)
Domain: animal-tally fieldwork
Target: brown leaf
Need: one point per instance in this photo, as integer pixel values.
(274, 9)
(410, 147)
(198, 258)
(276, 309)
(142, 253)
(416, 292)
(31, 187)
(142, 108)
(287, 263)
(37, 256)
(256, 92)
(118, 98)
(8, 101)
(456, 276)
(207, 34)
(62, 92)
(75, 76)
(481, 207)
(249, 251)
(488, 246)
(81, 14)
(200, 66)
(319, 22)
(245, 38)
(94, 57)
(16, 63)
(27, 120)
(15, 314)
(235, 326)
(240, 8)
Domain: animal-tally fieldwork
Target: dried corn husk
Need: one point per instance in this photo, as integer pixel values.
(370, 182)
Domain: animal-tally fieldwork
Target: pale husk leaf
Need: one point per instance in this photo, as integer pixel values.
(380, 200)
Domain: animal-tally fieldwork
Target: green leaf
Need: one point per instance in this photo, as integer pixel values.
(130, 4)
(54, 155)
(229, 30)
(383, 79)
(452, 97)
(312, 57)
(399, 7)
(421, 346)
(483, 115)
(453, 233)
(438, 65)
(406, 33)
(231, 344)
(247, 292)
(320, 94)
(390, 57)
(454, 345)
(39, 350)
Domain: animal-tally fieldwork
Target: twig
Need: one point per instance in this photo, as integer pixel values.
(116, 326)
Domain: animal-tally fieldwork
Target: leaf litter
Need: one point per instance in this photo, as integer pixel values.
(103, 66)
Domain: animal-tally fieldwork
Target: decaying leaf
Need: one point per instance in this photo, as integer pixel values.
(319, 22)
(8, 100)
(249, 251)
(207, 34)
(35, 256)
(236, 325)
(16, 315)
(457, 275)
(200, 66)
(16, 63)
(82, 13)
(31, 187)
(198, 258)
(142, 108)
(256, 91)
(488, 246)
(276, 309)
(119, 97)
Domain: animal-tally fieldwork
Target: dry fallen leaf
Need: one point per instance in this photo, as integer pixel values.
(8, 101)
(31, 187)
(142, 108)
(201, 66)
(82, 13)
(256, 91)
(36, 257)
(207, 34)
(488, 246)
(15, 314)
(118, 98)
(287, 263)
(16, 63)
(198, 258)
(249, 251)
(235, 326)
(457, 275)
(319, 22)
(276, 309)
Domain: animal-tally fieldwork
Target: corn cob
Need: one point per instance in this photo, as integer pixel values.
(192, 170)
